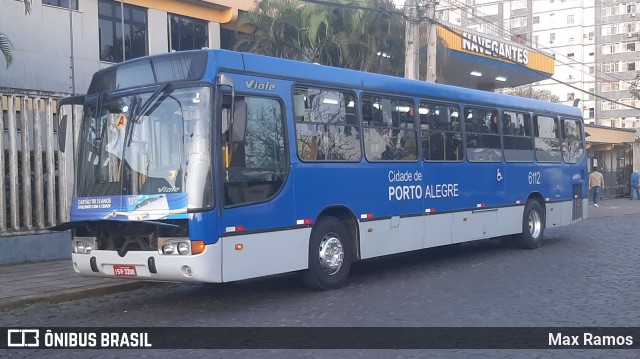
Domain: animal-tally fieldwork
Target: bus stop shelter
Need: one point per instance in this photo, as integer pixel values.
(612, 150)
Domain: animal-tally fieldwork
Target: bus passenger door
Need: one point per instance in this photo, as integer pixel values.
(70, 111)
(256, 194)
(577, 209)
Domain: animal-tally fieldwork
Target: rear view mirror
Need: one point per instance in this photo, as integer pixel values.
(239, 122)
(62, 133)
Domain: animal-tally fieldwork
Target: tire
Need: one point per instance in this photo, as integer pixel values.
(532, 226)
(330, 255)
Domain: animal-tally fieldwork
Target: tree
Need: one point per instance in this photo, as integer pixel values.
(370, 40)
(527, 91)
(276, 30)
(634, 88)
(6, 47)
(336, 36)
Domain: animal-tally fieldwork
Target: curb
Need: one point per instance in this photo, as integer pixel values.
(65, 295)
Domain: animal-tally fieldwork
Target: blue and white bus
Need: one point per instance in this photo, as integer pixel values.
(217, 166)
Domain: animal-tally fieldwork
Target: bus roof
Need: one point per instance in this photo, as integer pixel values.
(316, 73)
(192, 63)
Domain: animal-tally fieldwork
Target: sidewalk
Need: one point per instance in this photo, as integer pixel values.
(56, 281)
(53, 281)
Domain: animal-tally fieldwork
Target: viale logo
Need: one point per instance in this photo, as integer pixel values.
(256, 85)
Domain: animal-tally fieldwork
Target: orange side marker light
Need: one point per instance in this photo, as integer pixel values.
(197, 247)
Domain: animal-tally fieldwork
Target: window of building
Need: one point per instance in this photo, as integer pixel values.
(187, 33)
(610, 29)
(591, 54)
(326, 125)
(631, 8)
(592, 92)
(570, 54)
(536, 19)
(631, 66)
(610, 10)
(520, 21)
(440, 132)
(609, 49)
(610, 86)
(389, 132)
(592, 70)
(110, 31)
(227, 38)
(629, 27)
(552, 37)
(592, 112)
(631, 46)
(62, 3)
(518, 4)
(570, 19)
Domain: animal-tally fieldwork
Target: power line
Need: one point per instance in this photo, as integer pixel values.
(544, 47)
(396, 12)
(446, 26)
(380, 10)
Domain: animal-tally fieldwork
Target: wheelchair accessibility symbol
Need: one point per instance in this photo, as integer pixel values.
(499, 175)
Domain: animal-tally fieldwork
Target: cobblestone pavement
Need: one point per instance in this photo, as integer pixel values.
(583, 275)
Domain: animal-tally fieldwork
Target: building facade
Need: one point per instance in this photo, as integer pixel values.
(57, 48)
(48, 58)
(595, 44)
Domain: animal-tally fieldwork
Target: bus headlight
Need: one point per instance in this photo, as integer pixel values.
(183, 248)
(82, 247)
(175, 246)
(168, 248)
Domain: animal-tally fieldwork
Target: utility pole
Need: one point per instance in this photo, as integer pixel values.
(412, 38)
(431, 41)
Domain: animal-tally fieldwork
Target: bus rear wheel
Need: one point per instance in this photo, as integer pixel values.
(330, 255)
(532, 226)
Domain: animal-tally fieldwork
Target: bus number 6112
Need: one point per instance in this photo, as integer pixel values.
(534, 177)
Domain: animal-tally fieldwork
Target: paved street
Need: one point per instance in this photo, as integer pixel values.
(583, 275)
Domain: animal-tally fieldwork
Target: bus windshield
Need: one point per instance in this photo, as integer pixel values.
(156, 142)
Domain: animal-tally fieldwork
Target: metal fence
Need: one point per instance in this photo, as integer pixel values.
(35, 181)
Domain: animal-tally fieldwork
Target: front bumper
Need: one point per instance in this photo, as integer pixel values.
(205, 267)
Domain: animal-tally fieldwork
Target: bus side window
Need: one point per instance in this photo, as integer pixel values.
(441, 139)
(258, 165)
(573, 147)
(391, 134)
(518, 146)
(329, 130)
(482, 137)
(547, 143)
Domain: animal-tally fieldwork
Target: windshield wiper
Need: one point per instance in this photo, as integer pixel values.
(140, 110)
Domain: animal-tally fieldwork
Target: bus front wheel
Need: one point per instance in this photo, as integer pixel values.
(330, 255)
(532, 226)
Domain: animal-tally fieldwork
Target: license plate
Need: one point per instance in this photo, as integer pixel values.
(124, 271)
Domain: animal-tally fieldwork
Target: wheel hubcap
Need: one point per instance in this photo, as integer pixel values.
(535, 224)
(331, 254)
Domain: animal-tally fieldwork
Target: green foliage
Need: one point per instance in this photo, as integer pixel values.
(6, 47)
(634, 88)
(336, 36)
(528, 91)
